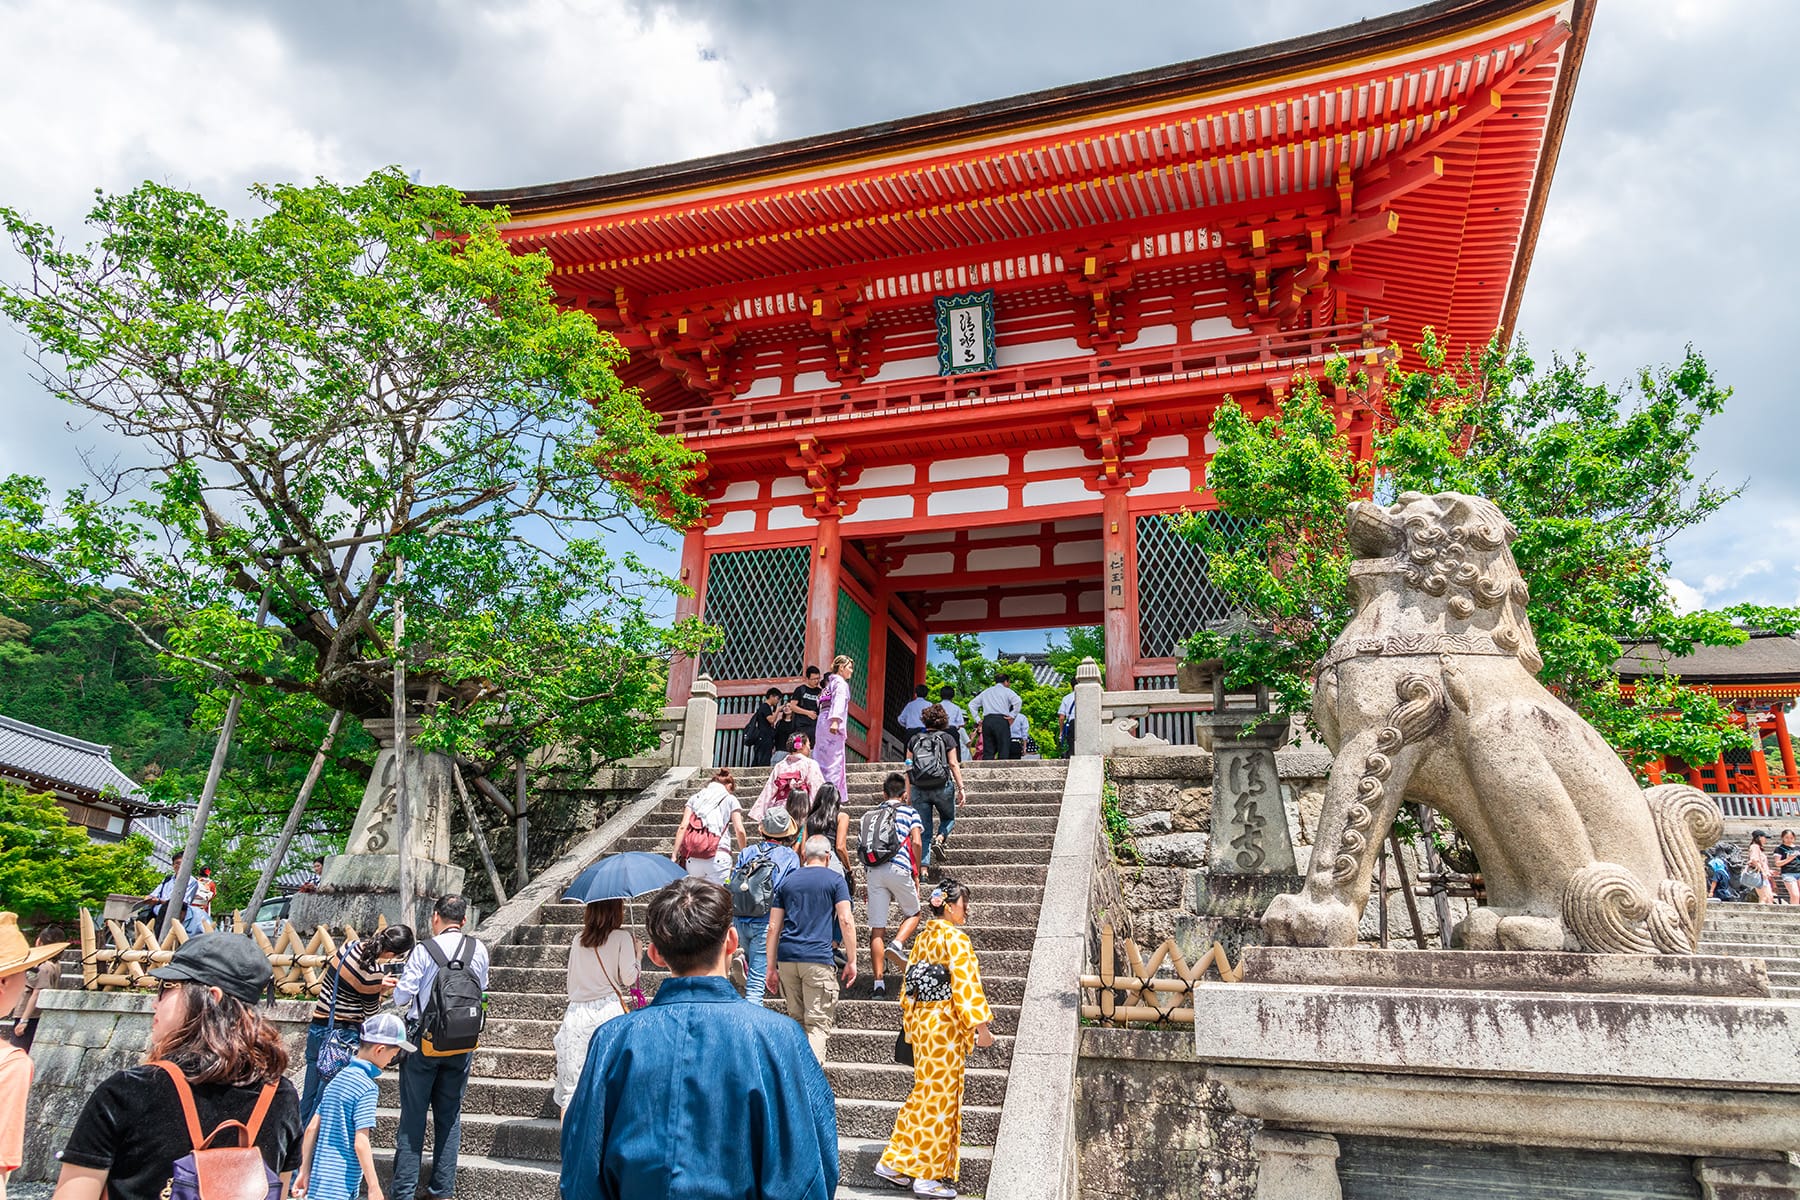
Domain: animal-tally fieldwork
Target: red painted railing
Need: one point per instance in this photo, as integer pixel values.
(1242, 355)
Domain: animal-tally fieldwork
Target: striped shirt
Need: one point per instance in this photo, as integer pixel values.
(358, 988)
(906, 820)
(347, 1107)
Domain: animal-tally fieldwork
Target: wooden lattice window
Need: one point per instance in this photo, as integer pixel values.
(758, 599)
(1176, 598)
(853, 639)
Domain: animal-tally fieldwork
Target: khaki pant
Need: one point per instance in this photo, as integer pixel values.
(811, 992)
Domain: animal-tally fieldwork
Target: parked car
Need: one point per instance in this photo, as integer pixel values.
(272, 914)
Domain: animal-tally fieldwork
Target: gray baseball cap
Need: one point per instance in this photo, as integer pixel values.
(386, 1029)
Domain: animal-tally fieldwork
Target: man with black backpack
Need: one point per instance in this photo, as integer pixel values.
(887, 843)
(441, 991)
(759, 870)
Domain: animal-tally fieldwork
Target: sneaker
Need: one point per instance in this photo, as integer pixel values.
(931, 1187)
(740, 971)
(940, 848)
(896, 955)
(878, 990)
(883, 1171)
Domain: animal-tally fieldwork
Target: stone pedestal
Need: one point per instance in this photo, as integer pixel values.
(364, 882)
(1663, 1068)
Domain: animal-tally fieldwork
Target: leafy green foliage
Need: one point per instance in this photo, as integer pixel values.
(49, 868)
(971, 672)
(1596, 480)
(1078, 643)
(1116, 824)
(361, 376)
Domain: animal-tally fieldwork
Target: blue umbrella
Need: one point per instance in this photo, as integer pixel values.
(621, 876)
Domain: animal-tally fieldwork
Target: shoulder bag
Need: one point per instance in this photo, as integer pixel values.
(340, 1045)
(629, 1001)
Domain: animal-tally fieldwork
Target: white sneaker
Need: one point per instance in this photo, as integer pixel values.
(892, 1176)
(896, 954)
(931, 1187)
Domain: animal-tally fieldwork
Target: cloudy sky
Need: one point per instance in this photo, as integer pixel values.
(1682, 133)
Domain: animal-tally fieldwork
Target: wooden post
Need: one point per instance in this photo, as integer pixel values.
(292, 823)
(522, 827)
(1119, 543)
(402, 813)
(173, 910)
(1428, 824)
(822, 595)
(481, 842)
(1787, 749)
(1382, 888)
(1406, 889)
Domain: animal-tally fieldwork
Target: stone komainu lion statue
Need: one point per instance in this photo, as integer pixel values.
(1431, 695)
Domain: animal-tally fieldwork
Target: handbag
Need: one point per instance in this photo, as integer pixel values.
(628, 1001)
(903, 1053)
(1751, 879)
(340, 1045)
(209, 1172)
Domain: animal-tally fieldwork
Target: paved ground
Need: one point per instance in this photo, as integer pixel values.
(29, 1191)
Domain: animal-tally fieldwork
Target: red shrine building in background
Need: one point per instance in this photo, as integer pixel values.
(951, 373)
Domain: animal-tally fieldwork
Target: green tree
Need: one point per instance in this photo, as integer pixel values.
(50, 868)
(1596, 480)
(1078, 643)
(360, 377)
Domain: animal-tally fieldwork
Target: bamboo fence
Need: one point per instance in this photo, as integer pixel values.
(134, 951)
(1135, 993)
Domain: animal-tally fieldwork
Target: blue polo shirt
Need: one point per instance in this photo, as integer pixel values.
(808, 900)
(347, 1106)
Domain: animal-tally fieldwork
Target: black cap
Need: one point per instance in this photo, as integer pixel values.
(1760, 833)
(228, 961)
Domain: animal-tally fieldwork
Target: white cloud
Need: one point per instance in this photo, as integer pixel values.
(1687, 598)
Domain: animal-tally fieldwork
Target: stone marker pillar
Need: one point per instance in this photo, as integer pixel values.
(1087, 709)
(364, 882)
(699, 725)
(1296, 1166)
(1249, 823)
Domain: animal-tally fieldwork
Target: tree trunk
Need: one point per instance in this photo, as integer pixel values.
(520, 805)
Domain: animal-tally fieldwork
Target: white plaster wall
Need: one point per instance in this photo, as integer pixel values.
(1031, 352)
(980, 467)
(1055, 491)
(905, 368)
(736, 522)
(1153, 335)
(881, 508)
(962, 610)
(884, 477)
(743, 489)
(924, 564)
(789, 516)
(1174, 445)
(1164, 480)
(768, 385)
(967, 500)
(1078, 552)
(1032, 606)
(1005, 558)
(1062, 458)
(813, 381)
(788, 485)
(1089, 602)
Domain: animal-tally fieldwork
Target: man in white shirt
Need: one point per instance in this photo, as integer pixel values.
(958, 721)
(1065, 724)
(1021, 731)
(996, 707)
(430, 1083)
(912, 717)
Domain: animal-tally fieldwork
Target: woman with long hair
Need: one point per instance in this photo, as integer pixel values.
(945, 1014)
(1757, 874)
(826, 818)
(834, 723)
(603, 970)
(211, 1054)
(797, 770)
(356, 979)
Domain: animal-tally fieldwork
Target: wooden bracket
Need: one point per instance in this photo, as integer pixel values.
(840, 311)
(1099, 276)
(691, 344)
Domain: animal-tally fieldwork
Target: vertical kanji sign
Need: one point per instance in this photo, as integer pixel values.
(965, 332)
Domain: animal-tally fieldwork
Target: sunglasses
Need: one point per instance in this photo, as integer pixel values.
(168, 985)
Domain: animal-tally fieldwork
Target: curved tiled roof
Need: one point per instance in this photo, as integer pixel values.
(1765, 658)
(85, 770)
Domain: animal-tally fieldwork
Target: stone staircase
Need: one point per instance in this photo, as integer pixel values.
(1001, 848)
(1770, 932)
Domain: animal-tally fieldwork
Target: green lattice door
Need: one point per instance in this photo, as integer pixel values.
(758, 599)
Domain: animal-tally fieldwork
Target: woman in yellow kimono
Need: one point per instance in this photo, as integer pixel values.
(942, 1025)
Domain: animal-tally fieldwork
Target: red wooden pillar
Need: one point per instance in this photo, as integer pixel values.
(1119, 545)
(1720, 777)
(1787, 749)
(1764, 785)
(822, 594)
(876, 706)
(1653, 771)
(682, 669)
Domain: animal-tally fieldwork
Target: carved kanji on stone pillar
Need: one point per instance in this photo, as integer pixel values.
(840, 312)
(1099, 276)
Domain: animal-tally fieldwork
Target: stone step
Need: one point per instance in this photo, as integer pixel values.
(515, 1033)
(477, 1175)
(537, 1139)
(512, 1062)
(877, 1046)
(1749, 948)
(543, 959)
(984, 914)
(992, 847)
(983, 820)
(976, 875)
(519, 1098)
(874, 1120)
(857, 1158)
(875, 1081)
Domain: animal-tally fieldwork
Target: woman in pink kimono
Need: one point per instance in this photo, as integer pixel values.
(797, 771)
(834, 723)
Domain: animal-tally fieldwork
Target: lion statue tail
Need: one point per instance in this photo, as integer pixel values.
(1609, 909)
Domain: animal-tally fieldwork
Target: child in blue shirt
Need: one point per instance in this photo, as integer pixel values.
(337, 1155)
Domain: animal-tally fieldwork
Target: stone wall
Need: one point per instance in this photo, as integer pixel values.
(1151, 1126)
(83, 1037)
(1167, 798)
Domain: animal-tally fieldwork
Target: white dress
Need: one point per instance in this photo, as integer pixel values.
(715, 804)
(600, 978)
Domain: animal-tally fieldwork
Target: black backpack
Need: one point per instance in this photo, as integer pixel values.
(930, 768)
(455, 1010)
(878, 835)
(753, 886)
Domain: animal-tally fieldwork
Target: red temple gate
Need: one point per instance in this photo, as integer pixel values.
(951, 373)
